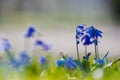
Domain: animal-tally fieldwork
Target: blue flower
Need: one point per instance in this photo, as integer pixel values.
(5, 45)
(93, 32)
(30, 32)
(42, 60)
(45, 46)
(24, 58)
(79, 32)
(60, 62)
(70, 63)
(12, 61)
(86, 39)
(80, 29)
(102, 61)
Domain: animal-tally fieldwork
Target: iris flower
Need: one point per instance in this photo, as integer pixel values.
(30, 32)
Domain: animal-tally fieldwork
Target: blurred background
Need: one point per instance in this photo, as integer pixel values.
(57, 20)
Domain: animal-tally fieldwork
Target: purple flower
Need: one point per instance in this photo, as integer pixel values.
(30, 32)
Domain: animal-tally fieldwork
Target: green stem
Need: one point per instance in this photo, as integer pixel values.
(116, 61)
(85, 50)
(95, 46)
(77, 52)
(97, 52)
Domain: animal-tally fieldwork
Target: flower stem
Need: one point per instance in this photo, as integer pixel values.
(95, 46)
(97, 52)
(77, 52)
(85, 50)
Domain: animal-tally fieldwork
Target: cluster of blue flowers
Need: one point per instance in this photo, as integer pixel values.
(86, 36)
(31, 32)
(24, 59)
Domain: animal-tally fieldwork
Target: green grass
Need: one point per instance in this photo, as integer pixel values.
(49, 71)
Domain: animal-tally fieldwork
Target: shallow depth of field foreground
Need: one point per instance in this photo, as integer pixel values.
(39, 63)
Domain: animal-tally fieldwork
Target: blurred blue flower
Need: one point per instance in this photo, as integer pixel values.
(86, 39)
(5, 45)
(70, 63)
(30, 32)
(93, 32)
(42, 60)
(102, 61)
(12, 61)
(15, 63)
(45, 46)
(79, 32)
(60, 62)
(24, 58)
